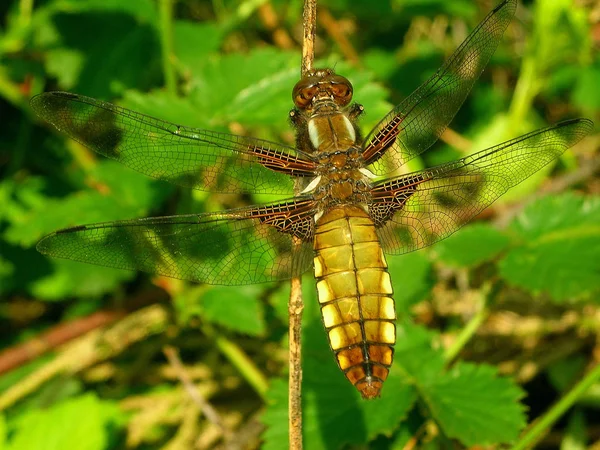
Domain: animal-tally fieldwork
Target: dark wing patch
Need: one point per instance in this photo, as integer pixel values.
(421, 208)
(190, 157)
(416, 124)
(241, 246)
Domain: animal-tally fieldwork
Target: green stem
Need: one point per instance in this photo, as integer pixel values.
(527, 88)
(538, 429)
(166, 44)
(241, 362)
(469, 331)
(25, 9)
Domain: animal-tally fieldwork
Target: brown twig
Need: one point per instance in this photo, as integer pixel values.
(296, 305)
(18, 355)
(90, 349)
(309, 25)
(64, 333)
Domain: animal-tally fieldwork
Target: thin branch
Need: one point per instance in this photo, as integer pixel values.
(309, 25)
(90, 349)
(296, 305)
(21, 354)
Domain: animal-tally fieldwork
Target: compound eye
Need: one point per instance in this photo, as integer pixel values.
(303, 95)
(342, 90)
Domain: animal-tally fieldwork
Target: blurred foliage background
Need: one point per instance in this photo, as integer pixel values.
(497, 323)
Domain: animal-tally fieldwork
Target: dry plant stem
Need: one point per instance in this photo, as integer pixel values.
(295, 307)
(209, 412)
(309, 25)
(94, 347)
(18, 355)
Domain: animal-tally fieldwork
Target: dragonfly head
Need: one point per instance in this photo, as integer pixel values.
(322, 86)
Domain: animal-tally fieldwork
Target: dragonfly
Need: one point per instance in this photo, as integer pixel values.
(354, 209)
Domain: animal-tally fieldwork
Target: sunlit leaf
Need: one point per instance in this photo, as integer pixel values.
(238, 309)
(411, 278)
(82, 422)
(560, 244)
(473, 404)
(472, 245)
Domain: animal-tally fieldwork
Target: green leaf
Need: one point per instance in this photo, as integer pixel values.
(275, 416)
(66, 65)
(74, 279)
(279, 299)
(560, 246)
(118, 49)
(253, 89)
(472, 404)
(121, 194)
(187, 35)
(587, 91)
(163, 105)
(414, 357)
(83, 423)
(472, 245)
(411, 278)
(459, 399)
(236, 308)
(143, 10)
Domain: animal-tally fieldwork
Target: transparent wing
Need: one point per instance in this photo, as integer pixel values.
(189, 157)
(240, 246)
(417, 123)
(421, 208)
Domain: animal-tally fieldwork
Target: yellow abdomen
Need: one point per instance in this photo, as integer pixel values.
(355, 293)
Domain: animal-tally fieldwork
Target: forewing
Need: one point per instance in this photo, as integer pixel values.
(189, 157)
(417, 123)
(421, 208)
(242, 246)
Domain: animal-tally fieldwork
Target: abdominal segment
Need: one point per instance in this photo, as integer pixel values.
(355, 294)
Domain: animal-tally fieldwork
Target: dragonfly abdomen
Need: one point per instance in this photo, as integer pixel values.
(355, 294)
